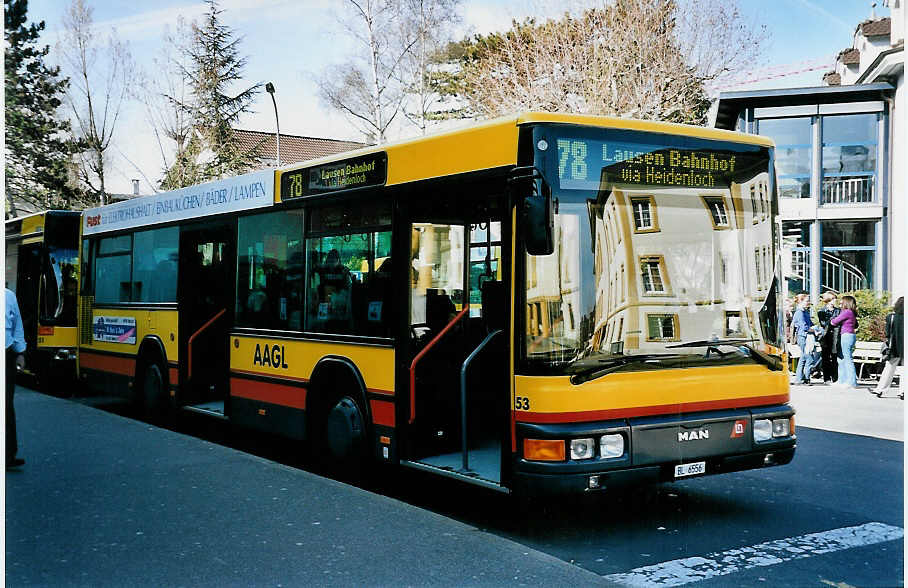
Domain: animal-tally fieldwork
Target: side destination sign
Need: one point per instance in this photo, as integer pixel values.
(245, 192)
(356, 172)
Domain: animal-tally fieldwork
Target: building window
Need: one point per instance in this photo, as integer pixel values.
(662, 327)
(849, 158)
(733, 324)
(653, 276)
(847, 260)
(793, 139)
(796, 256)
(645, 220)
(717, 211)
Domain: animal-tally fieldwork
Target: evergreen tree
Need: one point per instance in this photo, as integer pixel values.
(215, 65)
(38, 147)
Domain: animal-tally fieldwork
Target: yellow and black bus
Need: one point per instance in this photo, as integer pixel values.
(42, 268)
(538, 303)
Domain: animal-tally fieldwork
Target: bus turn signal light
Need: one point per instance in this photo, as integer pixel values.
(544, 449)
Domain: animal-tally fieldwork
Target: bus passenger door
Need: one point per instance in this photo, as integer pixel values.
(206, 301)
(453, 266)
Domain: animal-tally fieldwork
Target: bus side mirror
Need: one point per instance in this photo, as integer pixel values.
(539, 215)
(538, 210)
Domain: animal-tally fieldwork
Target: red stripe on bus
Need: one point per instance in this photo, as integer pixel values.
(291, 396)
(125, 366)
(618, 413)
(382, 412)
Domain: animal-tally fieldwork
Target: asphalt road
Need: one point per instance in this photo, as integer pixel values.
(839, 505)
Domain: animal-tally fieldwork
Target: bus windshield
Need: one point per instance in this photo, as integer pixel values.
(664, 250)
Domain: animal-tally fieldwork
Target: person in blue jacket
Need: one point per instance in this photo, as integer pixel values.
(804, 331)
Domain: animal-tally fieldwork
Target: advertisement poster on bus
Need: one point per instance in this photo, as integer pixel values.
(114, 329)
(245, 192)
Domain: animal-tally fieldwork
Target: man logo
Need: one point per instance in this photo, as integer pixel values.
(693, 435)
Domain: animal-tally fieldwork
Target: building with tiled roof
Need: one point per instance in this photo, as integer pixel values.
(876, 28)
(294, 148)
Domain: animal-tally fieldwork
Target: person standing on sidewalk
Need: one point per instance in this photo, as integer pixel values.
(803, 328)
(848, 321)
(15, 349)
(895, 333)
(829, 338)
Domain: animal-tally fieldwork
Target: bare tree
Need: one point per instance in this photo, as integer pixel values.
(101, 77)
(369, 92)
(165, 96)
(642, 58)
(424, 26)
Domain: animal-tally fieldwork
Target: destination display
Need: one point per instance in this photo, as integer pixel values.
(588, 164)
(357, 172)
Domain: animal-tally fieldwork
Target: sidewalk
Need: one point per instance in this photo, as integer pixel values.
(109, 501)
(857, 412)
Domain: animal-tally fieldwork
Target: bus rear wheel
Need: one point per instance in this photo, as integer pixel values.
(154, 400)
(340, 441)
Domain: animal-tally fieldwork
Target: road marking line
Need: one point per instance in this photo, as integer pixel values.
(694, 569)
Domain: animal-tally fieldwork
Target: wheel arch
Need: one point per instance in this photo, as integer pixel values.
(332, 377)
(151, 350)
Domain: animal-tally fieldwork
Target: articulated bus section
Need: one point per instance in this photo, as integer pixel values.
(42, 268)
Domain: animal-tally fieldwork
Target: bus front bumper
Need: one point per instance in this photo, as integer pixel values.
(658, 449)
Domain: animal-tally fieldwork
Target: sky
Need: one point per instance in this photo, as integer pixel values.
(292, 42)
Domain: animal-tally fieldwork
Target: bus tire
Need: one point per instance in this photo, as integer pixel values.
(345, 431)
(154, 392)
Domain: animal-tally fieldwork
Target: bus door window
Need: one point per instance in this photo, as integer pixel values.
(436, 276)
(485, 261)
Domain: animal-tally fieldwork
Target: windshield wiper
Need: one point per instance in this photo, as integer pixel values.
(714, 344)
(613, 364)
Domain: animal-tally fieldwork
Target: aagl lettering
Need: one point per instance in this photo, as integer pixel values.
(270, 355)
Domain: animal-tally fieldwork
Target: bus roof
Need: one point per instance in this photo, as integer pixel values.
(493, 144)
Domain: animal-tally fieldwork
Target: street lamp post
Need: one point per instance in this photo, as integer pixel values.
(269, 87)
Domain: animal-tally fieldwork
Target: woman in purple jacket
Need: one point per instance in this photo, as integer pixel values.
(848, 321)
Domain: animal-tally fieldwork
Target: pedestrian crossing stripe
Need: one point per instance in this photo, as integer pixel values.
(694, 569)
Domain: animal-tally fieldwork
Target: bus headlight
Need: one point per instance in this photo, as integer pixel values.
(582, 448)
(762, 430)
(781, 427)
(611, 446)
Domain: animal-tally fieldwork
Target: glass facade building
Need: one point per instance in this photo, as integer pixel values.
(832, 158)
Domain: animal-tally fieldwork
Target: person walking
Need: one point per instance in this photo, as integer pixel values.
(895, 333)
(15, 349)
(829, 337)
(804, 331)
(848, 321)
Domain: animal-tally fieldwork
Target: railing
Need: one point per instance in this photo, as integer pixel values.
(841, 276)
(421, 354)
(193, 337)
(843, 190)
(463, 399)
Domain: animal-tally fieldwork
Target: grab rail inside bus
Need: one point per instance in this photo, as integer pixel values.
(196, 334)
(463, 398)
(426, 349)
